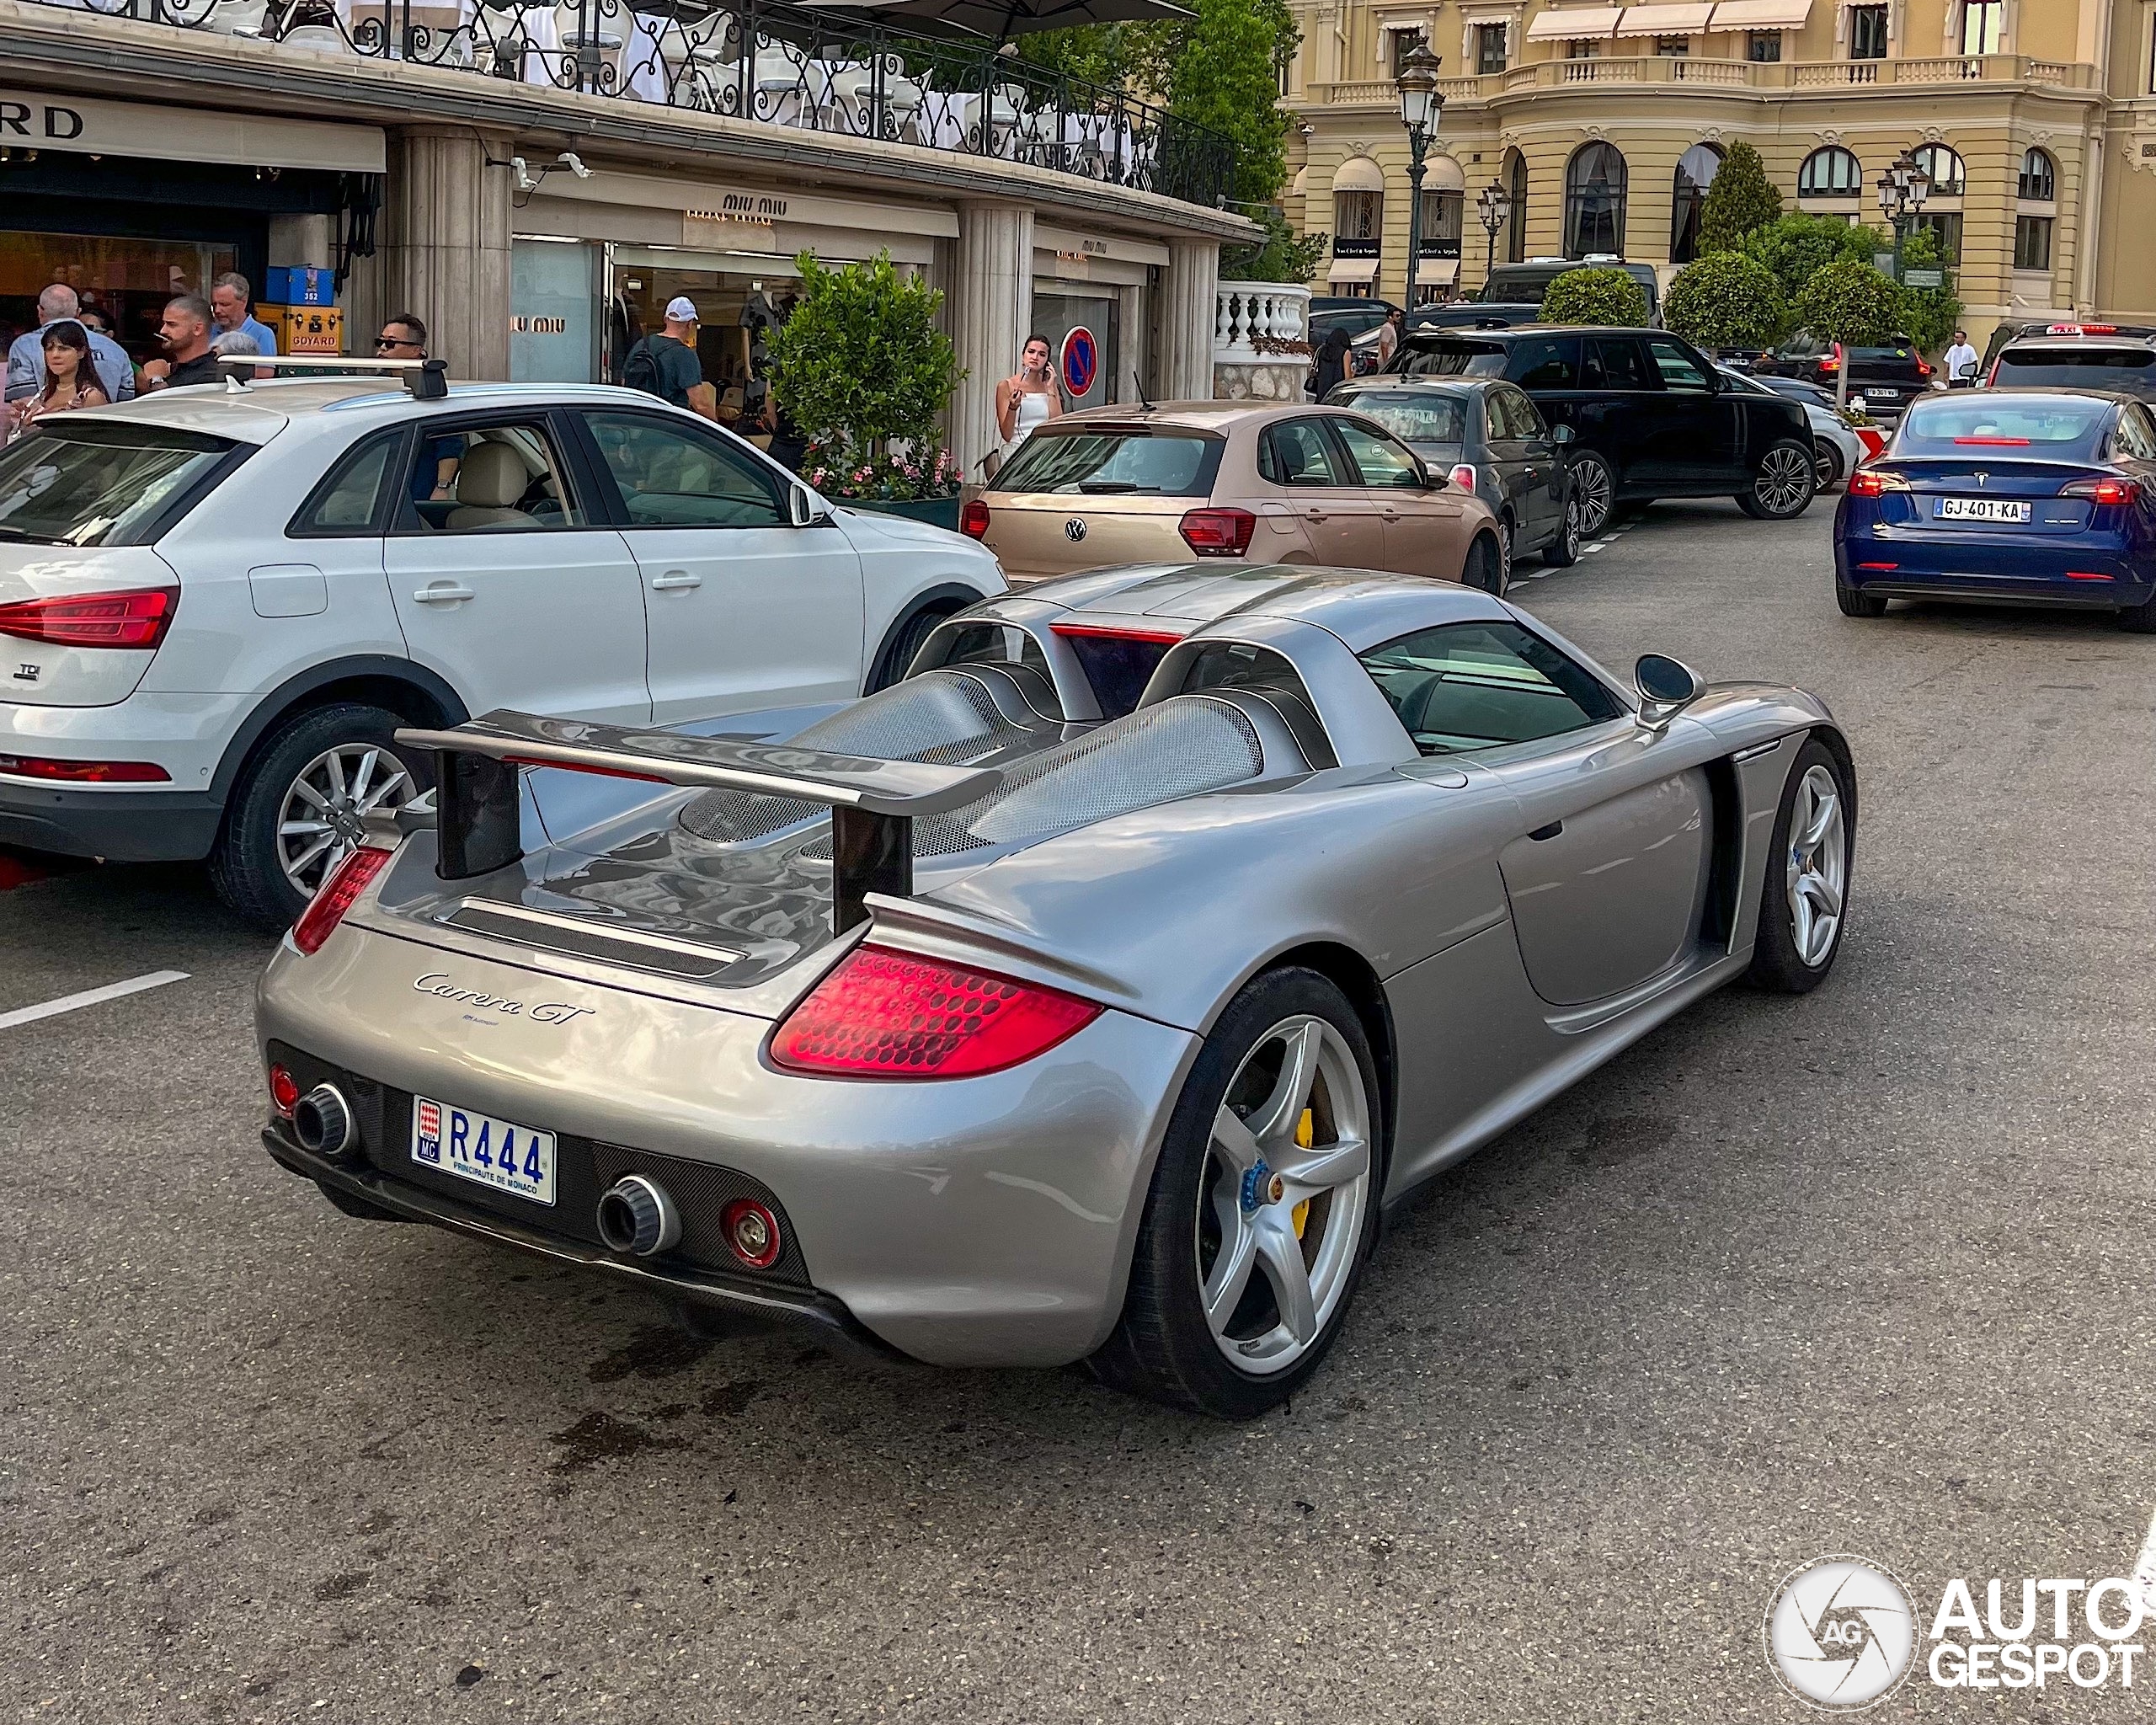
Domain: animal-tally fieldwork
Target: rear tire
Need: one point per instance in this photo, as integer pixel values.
(1854, 602)
(899, 652)
(1285, 1085)
(1826, 465)
(1804, 899)
(322, 769)
(2139, 619)
(1594, 490)
(1485, 567)
(1782, 489)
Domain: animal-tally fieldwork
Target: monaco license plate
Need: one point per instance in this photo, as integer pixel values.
(482, 1149)
(1978, 509)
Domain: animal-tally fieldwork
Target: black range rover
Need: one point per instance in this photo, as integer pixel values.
(1650, 419)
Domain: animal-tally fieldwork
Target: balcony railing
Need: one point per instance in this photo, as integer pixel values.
(1725, 74)
(761, 60)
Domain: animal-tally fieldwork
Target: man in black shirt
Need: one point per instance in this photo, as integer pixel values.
(185, 333)
(665, 365)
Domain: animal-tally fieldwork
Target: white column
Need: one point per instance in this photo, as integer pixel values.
(990, 311)
(445, 245)
(1189, 307)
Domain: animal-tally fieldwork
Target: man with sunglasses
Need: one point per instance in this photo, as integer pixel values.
(433, 474)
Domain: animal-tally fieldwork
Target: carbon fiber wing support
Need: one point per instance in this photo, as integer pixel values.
(874, 803)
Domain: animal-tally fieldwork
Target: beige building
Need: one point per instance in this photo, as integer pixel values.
(1605, 123)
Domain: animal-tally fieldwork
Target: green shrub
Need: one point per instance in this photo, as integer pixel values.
(1741, 201)
(1795, 246)
(1595, 296)
(1726, 300)
(1848, 301)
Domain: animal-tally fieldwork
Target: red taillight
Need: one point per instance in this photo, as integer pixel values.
(973, 519)
(1463, 476)
(1879, 566)
(885, 1014)
(2114, 493)
(752, 1232)
(1832, 362)
(1867, 482)
(346, 882)
(2086, 575)
(1923, 367)
(283, 1091)
(1219, 533)
(1996, 442)
(85, 772)
(136, 619)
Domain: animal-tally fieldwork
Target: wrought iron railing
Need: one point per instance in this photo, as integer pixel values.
(762, 60)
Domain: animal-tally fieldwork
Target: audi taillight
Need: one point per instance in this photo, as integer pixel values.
(338, 895)
(136, 619)
(1462, 476)
(973, 519)
(2114, 493)
(886, 1014)
(84, 772)
(1219, 533)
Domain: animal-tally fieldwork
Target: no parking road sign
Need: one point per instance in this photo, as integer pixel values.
(1080, 361)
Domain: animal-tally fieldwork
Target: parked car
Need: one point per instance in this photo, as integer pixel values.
(2024, 496)
(2022, 330)
(1882, 379)
(1252, 483)
(2117, 364)
(1527, 284)
(1100, 1018)
(1649, 415)
(218, 608)
(1796, 389)
(1486, 437)
(1835, 447)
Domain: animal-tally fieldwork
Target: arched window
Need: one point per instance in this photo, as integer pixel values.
(1516, 223)
(1696, 172)
(1948, 178)
(1830, 173)
(2039, 181)
(1594, 202)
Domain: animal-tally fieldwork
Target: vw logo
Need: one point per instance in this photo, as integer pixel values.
(1074, 530)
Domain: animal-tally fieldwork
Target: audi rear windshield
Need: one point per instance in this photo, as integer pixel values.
(1135, 462)
(86, 482)
(2129, 370)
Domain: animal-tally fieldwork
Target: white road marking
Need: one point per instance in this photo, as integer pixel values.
(1598, 545)
(89, 997)
(2144, 1568)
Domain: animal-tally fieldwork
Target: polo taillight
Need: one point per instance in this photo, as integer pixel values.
(886, 1014)
(1219, 533)
(1463, 476)
(136, 619)
(338, 895)
(973, 519)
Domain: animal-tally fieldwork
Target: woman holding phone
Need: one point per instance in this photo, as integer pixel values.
(1028, 399)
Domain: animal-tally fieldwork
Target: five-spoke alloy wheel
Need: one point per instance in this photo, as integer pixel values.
(1804, 901)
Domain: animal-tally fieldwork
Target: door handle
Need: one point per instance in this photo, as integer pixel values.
(1550, 831)
(675, 581)
(443, 593)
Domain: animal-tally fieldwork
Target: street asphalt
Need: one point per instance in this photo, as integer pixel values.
(1864, 1272)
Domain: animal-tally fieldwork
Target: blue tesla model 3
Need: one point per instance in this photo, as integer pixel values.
(2019, 496)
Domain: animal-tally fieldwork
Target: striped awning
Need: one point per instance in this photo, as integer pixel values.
(1572, 23)
(1686, 20)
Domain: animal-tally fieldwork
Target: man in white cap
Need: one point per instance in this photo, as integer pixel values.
(666, 365)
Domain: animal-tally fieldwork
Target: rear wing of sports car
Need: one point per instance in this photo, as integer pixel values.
(874, 803)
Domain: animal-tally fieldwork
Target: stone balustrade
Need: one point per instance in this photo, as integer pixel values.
(1261, 340)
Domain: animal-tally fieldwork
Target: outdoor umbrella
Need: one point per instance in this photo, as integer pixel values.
(999, 20)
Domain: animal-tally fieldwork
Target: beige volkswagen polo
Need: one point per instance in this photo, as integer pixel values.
(1261, 483)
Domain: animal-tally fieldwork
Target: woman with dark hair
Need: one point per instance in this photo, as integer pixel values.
(1028, 399)
(71, 381)
(1331, 363)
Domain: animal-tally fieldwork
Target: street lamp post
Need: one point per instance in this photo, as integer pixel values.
(1496, 205)
(1420, 104)
(1902, 190)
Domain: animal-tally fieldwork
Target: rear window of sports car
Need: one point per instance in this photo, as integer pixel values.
(1112, 463)
(1479, 686)
(91, 483)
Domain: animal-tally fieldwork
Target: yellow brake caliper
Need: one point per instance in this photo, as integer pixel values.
(1306, 1130)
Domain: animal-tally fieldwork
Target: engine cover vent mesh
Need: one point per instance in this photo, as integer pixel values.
(941, 717)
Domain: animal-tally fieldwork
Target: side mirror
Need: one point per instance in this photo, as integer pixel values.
(1667, 687)
(1562, 434)
(800, 506)
(1433, 480)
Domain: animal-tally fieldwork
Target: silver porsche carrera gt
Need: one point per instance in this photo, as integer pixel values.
(1088, 994)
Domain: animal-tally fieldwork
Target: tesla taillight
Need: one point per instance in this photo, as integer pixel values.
(1462, 476)
(973, 519)
(1219, 533)
(136, 619)
(84, 772)
(886, 1014)
(338, 893)
(2115, 494)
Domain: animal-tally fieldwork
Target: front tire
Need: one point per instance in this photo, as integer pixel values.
(1594, 490)
(1804, 899)
(1563, 551)
(1262, 1210)
(1783, 487)
(300, 804)
(1826, 465)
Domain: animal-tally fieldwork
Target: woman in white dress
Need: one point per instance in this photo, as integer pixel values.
(1028, 400)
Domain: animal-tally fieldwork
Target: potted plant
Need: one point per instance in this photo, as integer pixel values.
(864, 372)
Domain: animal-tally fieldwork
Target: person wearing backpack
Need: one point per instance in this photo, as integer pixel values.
(666, 366)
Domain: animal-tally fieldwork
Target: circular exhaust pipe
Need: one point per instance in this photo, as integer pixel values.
(636, 1216)
(322, 1121)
